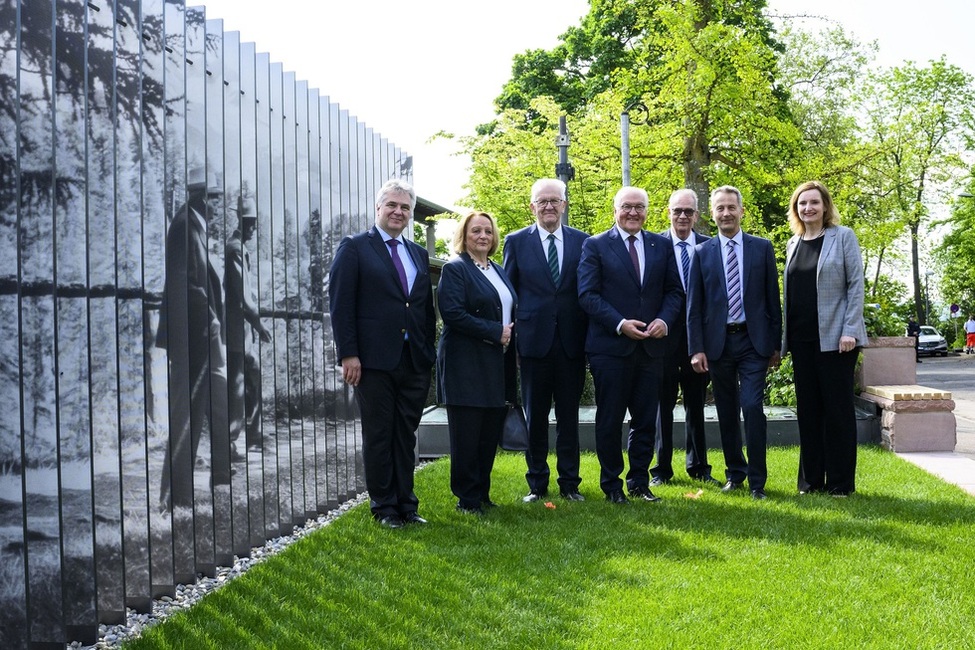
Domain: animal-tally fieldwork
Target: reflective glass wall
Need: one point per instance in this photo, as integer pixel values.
(170, 201)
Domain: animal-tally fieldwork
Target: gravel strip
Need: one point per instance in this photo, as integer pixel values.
(112, 636)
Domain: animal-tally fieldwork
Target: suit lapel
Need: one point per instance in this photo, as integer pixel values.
(382, 250)
(829, 241)
(621, 247)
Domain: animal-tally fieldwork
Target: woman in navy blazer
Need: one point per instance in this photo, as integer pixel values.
(824, 331)
(475, 360)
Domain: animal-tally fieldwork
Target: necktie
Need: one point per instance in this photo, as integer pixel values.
(398, 263)
(685, 262)
(633, 256)
(553, 259)
(734, 285)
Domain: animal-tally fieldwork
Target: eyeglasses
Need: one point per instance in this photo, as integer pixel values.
(630, 207)
(687, 212)
(544, 203)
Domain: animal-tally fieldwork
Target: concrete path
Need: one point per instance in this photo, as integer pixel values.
(955, 373)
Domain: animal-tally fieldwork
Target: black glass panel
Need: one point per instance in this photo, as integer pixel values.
(128, 250)
(153, 256)
(195, 466)
(101, 259)
(265, 293)
(279, 257)
(175, 489)
(250, 387)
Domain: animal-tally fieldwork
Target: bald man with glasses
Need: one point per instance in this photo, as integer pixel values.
(678, 374)
(630, 287)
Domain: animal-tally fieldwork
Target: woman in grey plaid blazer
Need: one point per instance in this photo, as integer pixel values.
(824, 330)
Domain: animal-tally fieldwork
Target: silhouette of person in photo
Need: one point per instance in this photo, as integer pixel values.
(191, 331)
(243, 329)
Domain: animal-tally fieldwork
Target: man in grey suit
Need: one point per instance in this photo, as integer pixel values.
(678, 373)
(734, 329)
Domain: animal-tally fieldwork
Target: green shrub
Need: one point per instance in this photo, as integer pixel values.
(780, 389)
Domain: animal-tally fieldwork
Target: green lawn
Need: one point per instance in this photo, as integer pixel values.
(890, 567)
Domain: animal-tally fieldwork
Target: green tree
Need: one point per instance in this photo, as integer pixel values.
(703, 69)
(918, 119)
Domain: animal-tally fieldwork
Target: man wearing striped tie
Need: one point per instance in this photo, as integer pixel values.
(541, 262)
(734, 329)
(678, 374)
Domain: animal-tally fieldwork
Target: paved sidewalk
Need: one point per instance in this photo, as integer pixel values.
(956, 467)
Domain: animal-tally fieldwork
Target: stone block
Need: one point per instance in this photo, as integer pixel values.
(903, 431)
(888, 360)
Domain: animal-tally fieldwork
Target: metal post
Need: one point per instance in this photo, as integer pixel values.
(563, 170)
(625, 146)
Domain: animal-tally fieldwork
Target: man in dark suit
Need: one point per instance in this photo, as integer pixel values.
(381, 306)
(541, 262)
(243, 327)
(678, 373)
(190, 330)
(734, 330)
(630, 287)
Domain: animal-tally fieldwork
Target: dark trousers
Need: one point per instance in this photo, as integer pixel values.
(474, 434)
(244, 380)
(197, 394)
(678, 373)
(622, 383)
(557, 378)
(738, 379)
(390, 404)
(826, 418)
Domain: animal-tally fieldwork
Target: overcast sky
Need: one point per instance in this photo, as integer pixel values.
(411, 69)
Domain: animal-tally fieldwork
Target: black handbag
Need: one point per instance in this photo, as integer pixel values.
(514, 433)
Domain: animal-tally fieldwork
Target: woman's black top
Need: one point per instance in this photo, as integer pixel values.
(802, 301)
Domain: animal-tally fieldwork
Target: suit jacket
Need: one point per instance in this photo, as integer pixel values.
(707, 299)
(473, 368)
(610, 291)
(680, 326)
(839, 289)
(242, 309)
(371, 314)
(192, 303)
(543, 305)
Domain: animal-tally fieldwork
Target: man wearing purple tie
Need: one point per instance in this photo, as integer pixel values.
(734, 329)
(381, 305)
(629, 286)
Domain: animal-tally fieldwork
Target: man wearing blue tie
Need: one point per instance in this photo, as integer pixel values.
(381, 304)
(629, 286)
(734, 329)
(541, 262)
(678, 374)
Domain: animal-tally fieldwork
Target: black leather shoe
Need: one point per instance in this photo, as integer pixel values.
(644, 493)
(488, 504)
(572, 495)
(391, 521)
(470, 511)
(759, 494)
(617, 496)
(413, 518)
(532, 497)
(731, 486)
(707, 479)
(657, 481)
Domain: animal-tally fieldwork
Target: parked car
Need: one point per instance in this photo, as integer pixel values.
(931, 342)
